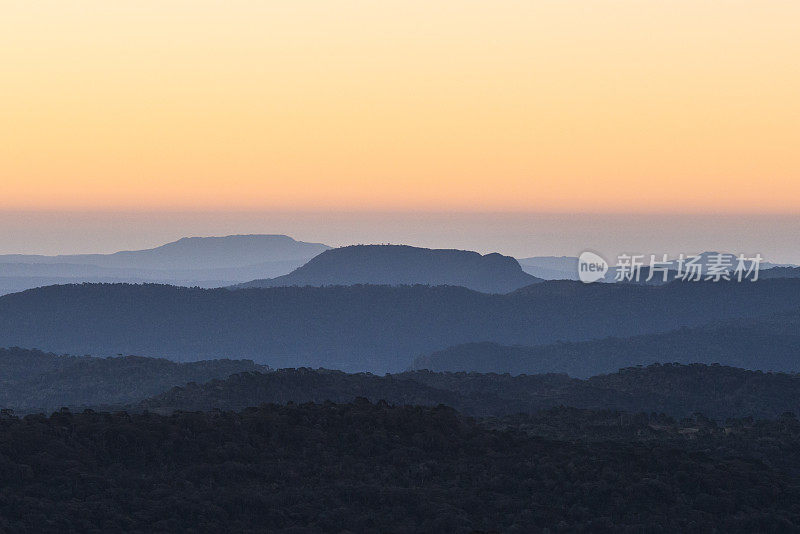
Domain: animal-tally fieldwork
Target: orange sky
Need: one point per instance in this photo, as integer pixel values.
(560, 105)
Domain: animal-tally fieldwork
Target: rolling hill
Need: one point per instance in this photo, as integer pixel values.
(769, 343)
(361, 328)
(32, 380)
(717, 391)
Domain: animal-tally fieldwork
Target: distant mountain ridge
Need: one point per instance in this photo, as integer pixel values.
(406, 265)
(190, 261)
(551, 267)
(566, 267)
(191, 253)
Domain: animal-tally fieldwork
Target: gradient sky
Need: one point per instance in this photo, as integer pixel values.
(455, 105)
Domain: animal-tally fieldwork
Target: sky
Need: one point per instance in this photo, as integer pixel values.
(296, 112)
(516, 234)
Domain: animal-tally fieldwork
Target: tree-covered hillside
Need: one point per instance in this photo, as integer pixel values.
(32, 380)
(677, 390)
(361, 328)
(769, 343)
(373, 468)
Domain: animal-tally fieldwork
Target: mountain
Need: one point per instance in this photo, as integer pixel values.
(191, 253)
(362, 328)
(32, 380)
(201, 261)
(677, 390)
(770, 343)
(404, 265)
(551, 267)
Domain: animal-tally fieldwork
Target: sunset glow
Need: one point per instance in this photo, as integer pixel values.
(611, 106)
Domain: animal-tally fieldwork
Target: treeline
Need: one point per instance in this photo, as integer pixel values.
(32, 380)
(677, 390)
(373, 468)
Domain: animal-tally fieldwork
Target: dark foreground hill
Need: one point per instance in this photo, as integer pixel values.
(32, 380)
(404, 265)
(677, 390)
(356, 328)
(770, 343)
(372, 468)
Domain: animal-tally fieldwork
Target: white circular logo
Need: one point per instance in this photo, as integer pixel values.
(591, 267)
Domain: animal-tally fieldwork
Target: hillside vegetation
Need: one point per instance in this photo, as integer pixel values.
(374, 468)
(676, 390)
(769, 343)
(32, 380)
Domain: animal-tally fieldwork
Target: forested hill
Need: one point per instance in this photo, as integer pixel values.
(357, 328)
(32, 380)
(769, 343)
(405, 265)
(362, 467)
(677, 390)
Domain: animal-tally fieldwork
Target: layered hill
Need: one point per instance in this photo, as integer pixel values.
(32, 380)
(551, 267)
(717, 391)
(358, 328)
(769, 343)
(396, 265)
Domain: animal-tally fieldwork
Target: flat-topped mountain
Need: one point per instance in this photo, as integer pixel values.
(201, 261)
(405, 265)
(190, 253)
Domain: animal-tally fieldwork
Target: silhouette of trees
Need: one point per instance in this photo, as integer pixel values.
(363, 467)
